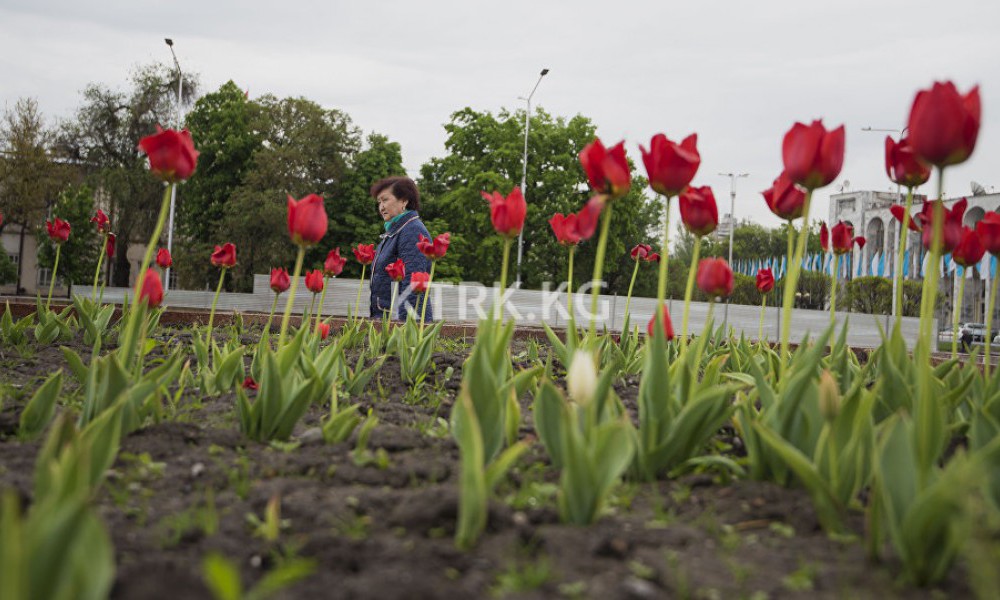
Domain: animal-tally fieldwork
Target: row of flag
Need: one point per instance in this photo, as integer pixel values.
(876, 266)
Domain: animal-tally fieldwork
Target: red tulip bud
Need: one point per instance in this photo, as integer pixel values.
(172, 156)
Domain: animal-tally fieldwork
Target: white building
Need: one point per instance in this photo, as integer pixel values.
(868, 212)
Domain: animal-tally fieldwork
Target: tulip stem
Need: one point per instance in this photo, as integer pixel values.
(763, 308)
(602, 245)
(833, 289)
(274, 305)
(792, 277)
(52, 279)
(392, 301)
(100, 260)
(957, 309)
(129, 337)
(928, 298)
(307, 314)
(322, 301)
(989, 321)
(211, 314)
(661, 285)
(569, 284)
(901, 254)
(291, 294)
(361, 283)
(631, 284)
(689, 291)
(427, 293)
(498, 301)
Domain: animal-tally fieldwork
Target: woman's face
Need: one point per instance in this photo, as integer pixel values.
(390, 206)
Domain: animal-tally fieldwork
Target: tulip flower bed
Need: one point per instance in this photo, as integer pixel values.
(383, 459)
(380, 522)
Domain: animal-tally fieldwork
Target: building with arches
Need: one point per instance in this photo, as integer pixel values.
(868, 211)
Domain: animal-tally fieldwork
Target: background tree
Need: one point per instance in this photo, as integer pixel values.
(78, 258)
(30, 178)
(304, 149)
(485, 153)
(354, 218)
(104, 138)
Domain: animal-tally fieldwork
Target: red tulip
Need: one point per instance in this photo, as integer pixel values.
(280, 281)
(172, 156)
(323, 329)
(714, 277)
(653, 257)
(365, 254)
(588, 216)
(813, 156)
(58, 230)
(668, 328)
(109, 247)
(101, 220)
(785, 199)
(163, 258)
(671, 166)
(224, 256)
(944, 124)
(765, 281)
(824, 236)
(952, 230)
(434, 249)
(698, 210)
(151, 288)
(250, 384)
(307, 221)
(607, 170)
(842, 237)
(420, 281)
(902, 165)
(641, 251)
(334, 263)
(970, 249)
(564, 228)
(396, 270)
(898, 211)
(507, 213)
(860, 241)
(989, 232)
(314, 281)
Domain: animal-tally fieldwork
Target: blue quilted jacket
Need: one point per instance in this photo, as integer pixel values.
(399, 242)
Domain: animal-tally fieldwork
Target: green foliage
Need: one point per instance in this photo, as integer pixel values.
(485, 153)
(104, 136)
(39, 410)
(591, 447)
(12, 333)
(78, 258)
(304, 149)
(223, 578)
(8, 270)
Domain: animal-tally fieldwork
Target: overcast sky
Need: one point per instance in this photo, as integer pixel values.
(738, 73)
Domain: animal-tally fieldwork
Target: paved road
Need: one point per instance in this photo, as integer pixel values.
(465, 303)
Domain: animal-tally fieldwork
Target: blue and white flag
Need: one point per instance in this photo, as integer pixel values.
(881, 264)
(782, 268)
(906, 263)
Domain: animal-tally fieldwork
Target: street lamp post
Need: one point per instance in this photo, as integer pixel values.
(732, 227)
(524, 173)
(173, 188)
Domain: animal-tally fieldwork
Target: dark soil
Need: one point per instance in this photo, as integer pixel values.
(388, 532)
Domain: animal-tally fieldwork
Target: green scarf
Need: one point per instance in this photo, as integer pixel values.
(392, 221)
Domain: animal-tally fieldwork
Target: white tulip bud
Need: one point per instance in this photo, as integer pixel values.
(581, 380)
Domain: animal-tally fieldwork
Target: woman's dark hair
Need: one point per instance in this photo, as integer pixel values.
(401, 187)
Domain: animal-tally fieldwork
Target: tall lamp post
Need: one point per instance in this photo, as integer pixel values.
(524, 172)
(173, 188)
(899, 194)
(732, 228)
